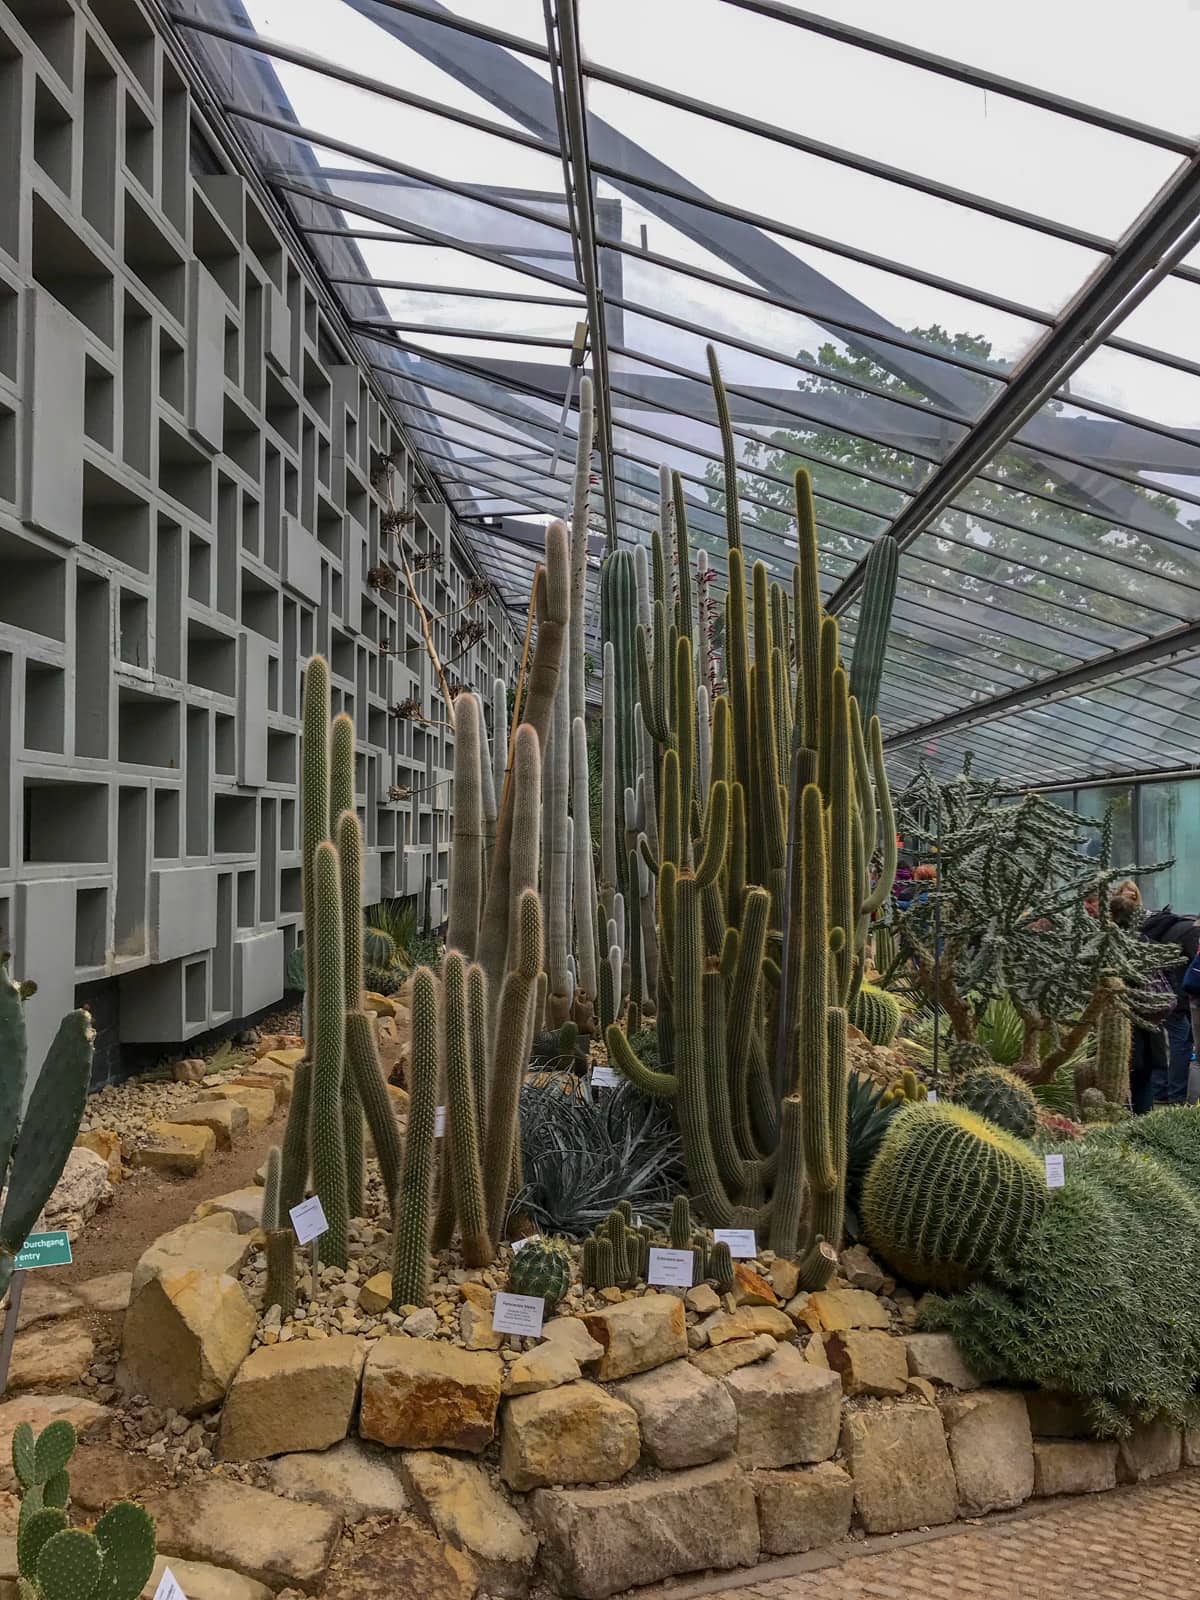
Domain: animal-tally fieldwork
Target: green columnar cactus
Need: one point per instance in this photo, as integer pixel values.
(496, 945)
(466, 855)
(280, 1287)
(618, 1235)
(603, 1264)
(341, 769)
(328, 1052)
(874, 620)
(362, 1064)
(513, 1029)
(348, 836)
(680, 1230)
(876, 1013)
(1114, 1041)
(525, 784)
(314, 805)
(1002, 1098)
(587, 976)
(765, 753)
(556, 882)
(466, 1173)
(499, 750)
(950, 1197)
(608, 796)
(542, 1267)
(580, 508)
(296, 1158)
(413, 1224)
(34, 1147)
(719, 1267)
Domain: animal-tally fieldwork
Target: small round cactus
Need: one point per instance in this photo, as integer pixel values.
(1002, 1098)
(876, 1013)
(542, 1267)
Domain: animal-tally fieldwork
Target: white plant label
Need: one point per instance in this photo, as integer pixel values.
(931, 1098)
(168, 1587)
(518, 1313)
(439, 1122)
(519, 1244)
(671, 1268)
(741, 1242)
(309, 1221)
(1055, 1176)
(605, 1077)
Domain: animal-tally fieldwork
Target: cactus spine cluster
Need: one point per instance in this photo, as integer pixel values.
(1002, 1098)
(34, 1147)
(950, 1196)
(876, 1013)
(57, 1562)
(542, 1267)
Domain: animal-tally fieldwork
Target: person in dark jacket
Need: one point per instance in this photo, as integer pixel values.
(1169, 927)
(1148, 1041)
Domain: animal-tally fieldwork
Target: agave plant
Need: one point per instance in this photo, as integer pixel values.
(581, 1157)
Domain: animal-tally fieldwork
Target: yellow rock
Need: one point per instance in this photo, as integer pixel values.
(179, 1147)
(286, 1058)
(259, 1102)
(107, 1145)
(376, 1294)
(380, 1004)
(478, 1294)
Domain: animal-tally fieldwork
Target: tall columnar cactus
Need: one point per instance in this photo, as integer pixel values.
(314, 804)
(950, 1197)
(466, 856)
(876, 1013)
(580, 509)
(874, 620)
(775, 847)
(348, 838)
(413, 1223)
(466, 1171)
(280, 1287)
(556, 876)
(328, 1055)
(511, 1051)
(34, 1147)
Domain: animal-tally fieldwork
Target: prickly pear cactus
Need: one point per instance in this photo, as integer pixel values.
(542, 1267)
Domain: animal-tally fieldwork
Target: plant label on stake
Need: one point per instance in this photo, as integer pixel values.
(741, 1241)
(308, 1219)
(931, 1098)
(519, 1244)
(518, 1313)
(169, 1587)
(605, 1077)
(671, 1268)
(439, 1122)
(1055, 1176)
(44, 1250)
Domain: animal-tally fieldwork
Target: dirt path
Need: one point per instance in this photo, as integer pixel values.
(147, 1204)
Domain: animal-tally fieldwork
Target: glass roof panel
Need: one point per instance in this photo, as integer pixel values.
(878, 286)
(1095, 57)
(857, 208)
(755, 66)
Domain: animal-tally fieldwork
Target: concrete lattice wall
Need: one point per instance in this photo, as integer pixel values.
(186, 514)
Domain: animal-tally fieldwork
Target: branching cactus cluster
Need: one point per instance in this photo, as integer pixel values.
(760, 835)
(340, 1079)
(34, 1146)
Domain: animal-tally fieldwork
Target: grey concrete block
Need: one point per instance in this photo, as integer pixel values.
(183, 911)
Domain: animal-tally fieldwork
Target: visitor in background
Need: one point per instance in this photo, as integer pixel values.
(1168, 927)
(1148, 1042)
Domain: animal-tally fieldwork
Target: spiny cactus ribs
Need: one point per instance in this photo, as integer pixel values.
(542, 1267)
(950, 1196)
(1002, 1098)
(876, 1013)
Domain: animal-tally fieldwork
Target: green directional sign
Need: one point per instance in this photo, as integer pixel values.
(44, 1250)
